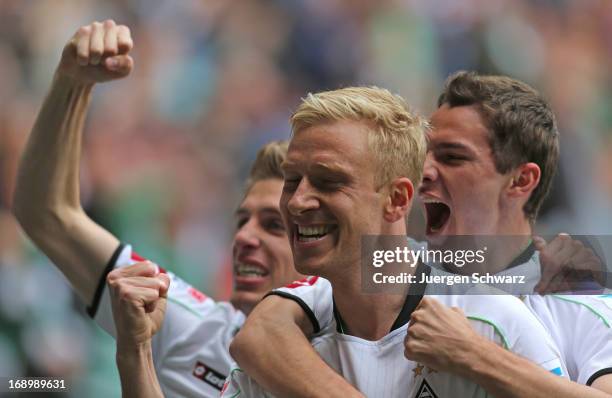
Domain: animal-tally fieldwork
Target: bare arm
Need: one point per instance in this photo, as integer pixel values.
(138, 295)
(137, 373)
(506, 375)
(275, 335)
(46, 201)
(443, 339)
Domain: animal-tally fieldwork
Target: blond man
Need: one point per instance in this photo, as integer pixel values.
(354, 162)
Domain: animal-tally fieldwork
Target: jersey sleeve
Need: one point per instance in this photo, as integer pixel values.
(186, 306)
(314, 295)
(591, 331)
(517, 329)
(528, 338)
(239, 384)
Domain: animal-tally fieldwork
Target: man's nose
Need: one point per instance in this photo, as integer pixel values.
(304, 198)
(430, 170)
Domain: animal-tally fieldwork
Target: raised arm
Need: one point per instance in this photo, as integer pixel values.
(272, 348)
(46, 201)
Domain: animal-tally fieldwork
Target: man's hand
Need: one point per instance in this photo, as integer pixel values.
(565, 263)
(97, 52)
(440, 337)
(138, 295)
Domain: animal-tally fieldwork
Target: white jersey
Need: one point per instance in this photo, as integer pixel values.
(580, 325)
(191, 350)
(582, 328)
(379, 368)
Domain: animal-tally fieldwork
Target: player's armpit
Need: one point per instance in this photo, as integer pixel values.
(603, 383)
(273, 337)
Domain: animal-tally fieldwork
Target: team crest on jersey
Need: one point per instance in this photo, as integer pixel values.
(425, 391)
(209, 375)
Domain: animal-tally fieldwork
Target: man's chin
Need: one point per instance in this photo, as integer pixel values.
(245, 301)
(309, 266)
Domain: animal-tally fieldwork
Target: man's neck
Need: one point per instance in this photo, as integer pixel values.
(519, 231)
(365, 315)
(503, 247)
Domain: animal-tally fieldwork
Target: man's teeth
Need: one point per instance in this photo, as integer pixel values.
(249, 270)
(312, 233)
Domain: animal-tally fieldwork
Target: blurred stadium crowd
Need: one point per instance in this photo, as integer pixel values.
(167, 148)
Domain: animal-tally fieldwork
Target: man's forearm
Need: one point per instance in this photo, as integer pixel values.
(506, 375)
(137, 372)
(46, 200)
(49, 171)
(272, 349)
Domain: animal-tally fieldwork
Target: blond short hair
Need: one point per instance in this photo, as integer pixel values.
(268, 162)
(398, 138)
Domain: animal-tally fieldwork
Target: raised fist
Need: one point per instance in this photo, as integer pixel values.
(138, 296)
(97, 52)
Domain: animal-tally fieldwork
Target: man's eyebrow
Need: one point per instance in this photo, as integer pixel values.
(286, 165)
(332, 167)
(241, 211)
(448, 145)
(268, 209)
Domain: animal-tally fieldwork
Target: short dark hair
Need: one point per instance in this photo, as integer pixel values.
(521, 123)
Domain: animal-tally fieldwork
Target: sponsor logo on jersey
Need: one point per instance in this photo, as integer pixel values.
(308, 281)
(209, 375)
(425, 391)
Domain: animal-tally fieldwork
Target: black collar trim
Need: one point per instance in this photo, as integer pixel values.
(523, 257)
(415, 294)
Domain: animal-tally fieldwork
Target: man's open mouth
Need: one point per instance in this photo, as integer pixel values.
(313, 233)
(437, 214)
(249, 270)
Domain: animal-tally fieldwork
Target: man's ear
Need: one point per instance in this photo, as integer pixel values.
(399, 199)
(525, 179)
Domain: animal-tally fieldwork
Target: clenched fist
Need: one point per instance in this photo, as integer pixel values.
(97, 53)
(440, 337)
(138, 295)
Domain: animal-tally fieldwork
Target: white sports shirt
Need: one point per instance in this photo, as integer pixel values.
(582, 328)
(379, 368)
(580, 325)
(191, 350)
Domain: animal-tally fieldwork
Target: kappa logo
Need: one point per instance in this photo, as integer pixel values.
(209, 375)
(425, 391)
